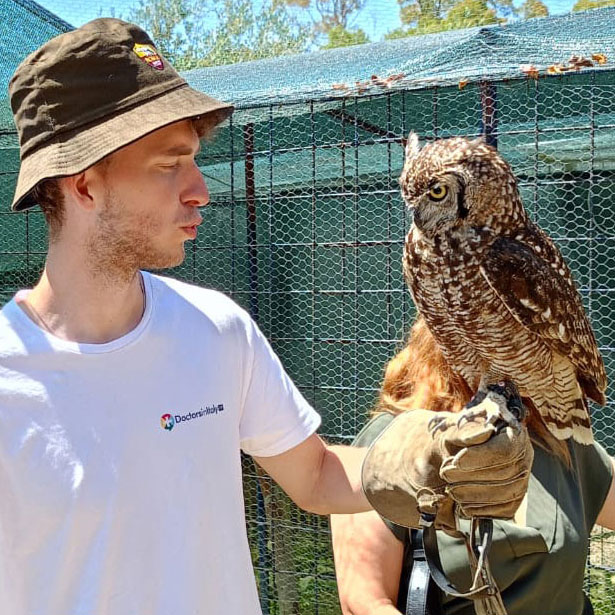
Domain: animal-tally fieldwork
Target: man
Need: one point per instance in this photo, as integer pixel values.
(137, 391)
(125, 397)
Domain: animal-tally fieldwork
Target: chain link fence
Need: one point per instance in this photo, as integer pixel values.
(306, 225)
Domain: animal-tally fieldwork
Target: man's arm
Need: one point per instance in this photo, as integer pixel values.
(320, 478)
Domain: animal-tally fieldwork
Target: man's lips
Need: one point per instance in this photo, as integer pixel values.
(190, 229)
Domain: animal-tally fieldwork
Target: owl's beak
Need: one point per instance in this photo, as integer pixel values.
(416, 217)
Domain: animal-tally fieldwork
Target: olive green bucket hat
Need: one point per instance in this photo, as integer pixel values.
(89, 92)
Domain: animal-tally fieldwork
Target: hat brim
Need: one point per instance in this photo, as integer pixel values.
(75, 151)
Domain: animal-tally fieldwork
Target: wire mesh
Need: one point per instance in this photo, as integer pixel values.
(322, 266)
(305, 230)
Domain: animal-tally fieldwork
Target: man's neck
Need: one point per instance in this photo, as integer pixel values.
(75, 303)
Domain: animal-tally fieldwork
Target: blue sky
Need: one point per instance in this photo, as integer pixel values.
(377, 18)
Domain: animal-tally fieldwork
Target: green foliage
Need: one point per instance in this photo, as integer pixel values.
(338, 36)
(470, 13)
(601, 590)
(426, 16)
(534, 8)
(168, 22)
(331, 20)
(193, 33)
(332, 13)
(584, 5)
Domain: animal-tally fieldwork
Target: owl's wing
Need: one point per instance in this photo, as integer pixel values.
(544, 300)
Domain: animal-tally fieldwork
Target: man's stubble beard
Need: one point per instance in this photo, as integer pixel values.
(121, 244)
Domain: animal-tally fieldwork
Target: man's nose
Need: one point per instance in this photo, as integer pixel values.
(196, 192)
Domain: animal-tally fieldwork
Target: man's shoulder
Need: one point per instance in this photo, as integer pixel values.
(211, 304)
(11, 326)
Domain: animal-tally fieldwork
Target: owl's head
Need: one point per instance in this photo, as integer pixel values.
(458, 182)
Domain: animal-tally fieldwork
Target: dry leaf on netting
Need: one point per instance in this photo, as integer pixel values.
(579, 62)
(557, 69)
(530, 70)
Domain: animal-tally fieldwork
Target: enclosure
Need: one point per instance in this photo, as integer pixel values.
(306, 224)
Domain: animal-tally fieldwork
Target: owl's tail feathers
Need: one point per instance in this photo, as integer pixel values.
(591, 390)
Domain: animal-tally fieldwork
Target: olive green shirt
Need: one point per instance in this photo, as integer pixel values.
(539, 567)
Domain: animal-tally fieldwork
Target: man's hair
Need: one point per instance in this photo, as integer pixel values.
(48, 193)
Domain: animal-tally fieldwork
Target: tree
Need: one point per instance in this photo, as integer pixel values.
(584, 5)
(338, 36)
(332, 20)
(168, 22)
(332, 13)
(534, 8)
(242, 33)
(193, 33)
(470, 13)
(425, 16)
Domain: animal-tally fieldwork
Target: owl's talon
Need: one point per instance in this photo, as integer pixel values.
(465, 416)
(497, 405)
(437, 422)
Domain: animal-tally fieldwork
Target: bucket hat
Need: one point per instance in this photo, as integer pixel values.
(91, 91)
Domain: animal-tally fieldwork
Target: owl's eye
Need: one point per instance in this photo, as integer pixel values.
(437, 192)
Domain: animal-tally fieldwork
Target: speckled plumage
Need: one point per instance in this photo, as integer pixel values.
(492, 286)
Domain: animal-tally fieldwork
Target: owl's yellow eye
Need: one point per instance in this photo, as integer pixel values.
(438, 191)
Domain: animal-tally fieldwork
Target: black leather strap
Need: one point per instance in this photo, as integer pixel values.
(416, 602)
(423, 597)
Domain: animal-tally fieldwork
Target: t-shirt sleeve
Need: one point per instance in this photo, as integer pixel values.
(275, 416)
(595, 471)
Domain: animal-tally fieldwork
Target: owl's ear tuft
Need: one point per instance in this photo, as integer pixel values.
(480, 140)
(412, 145)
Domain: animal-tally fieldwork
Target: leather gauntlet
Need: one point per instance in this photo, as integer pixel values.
(458, 466)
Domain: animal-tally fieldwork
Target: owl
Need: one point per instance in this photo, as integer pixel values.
(492, 286)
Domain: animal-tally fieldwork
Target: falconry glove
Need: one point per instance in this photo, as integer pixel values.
(439, 465)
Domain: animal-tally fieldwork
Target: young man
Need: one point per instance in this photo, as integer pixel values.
(125, 398)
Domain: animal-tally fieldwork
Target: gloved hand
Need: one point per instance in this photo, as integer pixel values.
(421, 465)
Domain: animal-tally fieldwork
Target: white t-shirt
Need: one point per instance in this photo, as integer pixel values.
(120, 473)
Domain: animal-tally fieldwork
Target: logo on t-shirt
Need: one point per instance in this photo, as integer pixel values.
(168, 421)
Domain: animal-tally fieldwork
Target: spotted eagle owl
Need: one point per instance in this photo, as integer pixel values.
(492, 286)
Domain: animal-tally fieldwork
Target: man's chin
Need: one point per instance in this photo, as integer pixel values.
(168, 261)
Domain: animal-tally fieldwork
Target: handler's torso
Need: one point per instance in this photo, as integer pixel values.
(539, 566)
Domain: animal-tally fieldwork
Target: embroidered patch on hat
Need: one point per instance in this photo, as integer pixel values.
(149, 55)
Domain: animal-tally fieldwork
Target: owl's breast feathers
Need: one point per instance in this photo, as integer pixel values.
(478, 281)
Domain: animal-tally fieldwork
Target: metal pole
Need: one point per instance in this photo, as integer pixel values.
(248, 140)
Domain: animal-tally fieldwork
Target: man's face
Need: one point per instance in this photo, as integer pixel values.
(153, 189)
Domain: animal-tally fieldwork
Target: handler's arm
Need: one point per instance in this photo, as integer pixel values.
(319, 478)
(368, 561)
(606, 518)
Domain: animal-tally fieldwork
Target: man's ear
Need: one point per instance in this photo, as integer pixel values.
(81, 189)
